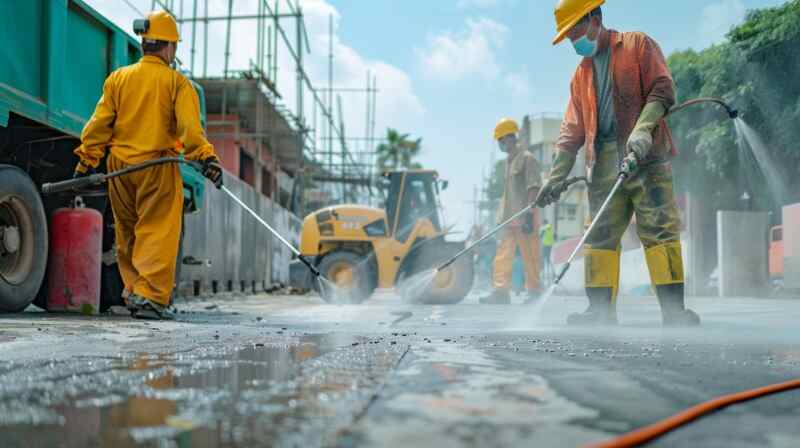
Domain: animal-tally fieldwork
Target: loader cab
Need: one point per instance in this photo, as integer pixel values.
(411, 196)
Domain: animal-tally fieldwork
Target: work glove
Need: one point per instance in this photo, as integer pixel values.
(629, 165)
(528, 224)
(82, 170)
(212, 171)
(640, 142)
(549, 194)
(554, 187)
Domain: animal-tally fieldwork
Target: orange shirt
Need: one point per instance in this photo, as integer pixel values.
(640, 75)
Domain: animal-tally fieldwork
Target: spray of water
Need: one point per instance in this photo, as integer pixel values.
(333, 293)
(530, 317)
(535, 313)
(415, 287)
(755, 153)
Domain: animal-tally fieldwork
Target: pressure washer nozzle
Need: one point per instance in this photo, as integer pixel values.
(733, 113)
(309, 265)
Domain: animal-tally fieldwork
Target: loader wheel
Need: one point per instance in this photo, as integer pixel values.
(346, 278)
(23, 240)
(448, 287)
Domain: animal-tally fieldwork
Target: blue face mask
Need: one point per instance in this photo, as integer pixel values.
(584, 46)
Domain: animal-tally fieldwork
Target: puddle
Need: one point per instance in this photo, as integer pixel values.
(295, 392)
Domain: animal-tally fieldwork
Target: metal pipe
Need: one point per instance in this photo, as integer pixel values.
(234, 17)
(274, 232)
(205, 45)
(194, 35)
(228, 41)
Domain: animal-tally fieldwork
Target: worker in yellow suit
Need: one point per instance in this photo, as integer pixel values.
(522, 182)
(147, 111)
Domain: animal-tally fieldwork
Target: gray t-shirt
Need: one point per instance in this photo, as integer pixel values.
(603, 82)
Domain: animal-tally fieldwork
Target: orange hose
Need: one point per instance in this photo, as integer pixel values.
(643, 435)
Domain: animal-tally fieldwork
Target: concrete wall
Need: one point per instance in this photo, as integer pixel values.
(791, 246)
(742, 253)
(700, 252)
(243, 255)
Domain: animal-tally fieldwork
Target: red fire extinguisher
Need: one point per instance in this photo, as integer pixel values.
(76, 245)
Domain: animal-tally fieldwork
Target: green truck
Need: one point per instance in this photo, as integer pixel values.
(56, 55)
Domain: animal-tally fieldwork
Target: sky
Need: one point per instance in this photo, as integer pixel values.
(447, 70)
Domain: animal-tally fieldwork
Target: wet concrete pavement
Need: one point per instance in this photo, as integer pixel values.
(292, 371)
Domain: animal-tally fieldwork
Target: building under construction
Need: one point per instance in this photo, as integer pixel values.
(299, 157)
(284, 156)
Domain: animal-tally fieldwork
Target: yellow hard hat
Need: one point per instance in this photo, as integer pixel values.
(569, 13)
(505, 127)
(158, 25)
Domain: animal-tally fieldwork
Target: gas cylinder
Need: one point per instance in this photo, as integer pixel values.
(76, 246)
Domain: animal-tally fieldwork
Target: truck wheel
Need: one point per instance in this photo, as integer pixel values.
(23, 240)
(346, 278)
(448, 287)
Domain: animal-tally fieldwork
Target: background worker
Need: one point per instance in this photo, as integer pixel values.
(620, 94)
(522, 183)
(145, 110)
(547, 238)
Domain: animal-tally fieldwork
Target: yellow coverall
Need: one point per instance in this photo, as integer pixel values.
(523, 178)
(145, 110)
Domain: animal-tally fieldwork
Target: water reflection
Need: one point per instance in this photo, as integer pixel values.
(264, 393)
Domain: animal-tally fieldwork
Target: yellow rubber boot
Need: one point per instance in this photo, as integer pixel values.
(602, 285)
(665, 263)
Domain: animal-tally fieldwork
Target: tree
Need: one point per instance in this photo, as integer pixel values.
(758, 71)
(398, 152)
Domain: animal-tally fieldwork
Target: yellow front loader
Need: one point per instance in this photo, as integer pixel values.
(360, 248)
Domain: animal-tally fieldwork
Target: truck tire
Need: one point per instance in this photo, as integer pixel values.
(24, 245)
(448, 287)
(347, 278)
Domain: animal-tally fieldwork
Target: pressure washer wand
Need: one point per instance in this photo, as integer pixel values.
(502, 225)
(101, 178)
(274, 232)
(620, 179)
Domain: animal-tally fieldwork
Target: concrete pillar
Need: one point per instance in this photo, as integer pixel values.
(791, 246)
(742, 253)
(700, 245)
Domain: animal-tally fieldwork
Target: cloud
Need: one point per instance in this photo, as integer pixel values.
(396, 96)
(720, 17)
(518, 83)
(454, 56)
(483, 4)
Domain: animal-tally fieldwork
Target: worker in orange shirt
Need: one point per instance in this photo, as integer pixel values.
(620, 94)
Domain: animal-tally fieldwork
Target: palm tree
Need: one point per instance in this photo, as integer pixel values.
(398, 152)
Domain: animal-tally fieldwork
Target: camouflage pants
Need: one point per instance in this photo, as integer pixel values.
(648, 195)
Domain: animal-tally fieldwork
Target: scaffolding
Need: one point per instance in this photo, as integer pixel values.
(323, 157)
